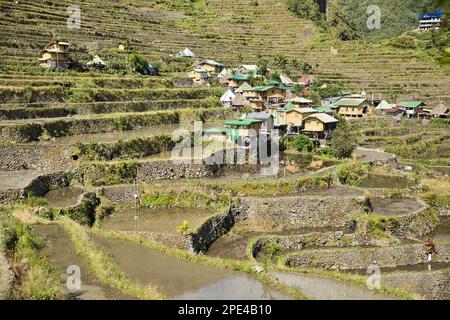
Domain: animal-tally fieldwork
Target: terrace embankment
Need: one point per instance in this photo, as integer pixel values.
(102, 173)
(361, 258)
(299, 211)
(430, 285)
(61, 252)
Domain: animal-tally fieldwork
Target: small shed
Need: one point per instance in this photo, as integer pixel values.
(440, 111)
(96, 62)
(185, 53)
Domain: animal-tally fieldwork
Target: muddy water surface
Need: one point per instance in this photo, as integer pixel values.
(161, 220)
(442, 232)
(62, 254)
(395, 207)
(385, 181)
(180, 279)
(63, 197)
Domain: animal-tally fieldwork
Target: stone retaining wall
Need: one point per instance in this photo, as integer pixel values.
(317, 239)
(120, 194)
(433, 285)
(293, 212)
(211, 230)
(103, 174)
(361, 258)
(35, 156)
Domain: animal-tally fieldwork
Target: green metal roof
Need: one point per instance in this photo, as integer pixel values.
(289, 106)
(411, 104)
(240, 122)
(323, 110)
(349, 102)
(263, 88)
(273, 82)
(241, 77)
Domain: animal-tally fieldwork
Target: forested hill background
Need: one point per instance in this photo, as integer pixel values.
(397, 16)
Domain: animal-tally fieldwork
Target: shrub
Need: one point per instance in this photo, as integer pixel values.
(302, 143)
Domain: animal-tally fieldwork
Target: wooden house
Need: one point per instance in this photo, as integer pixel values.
(199, 76)
(238, 80)
(55, 55)
(211, 66)
(354, 107)
(319, 124)
(242, 128)
(266, 118)
(412, 108)
(301, 102)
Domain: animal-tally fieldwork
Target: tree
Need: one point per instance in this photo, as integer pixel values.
(302, 143)
(263, 66)
(138, 63)
(343, 141)
(280, 60)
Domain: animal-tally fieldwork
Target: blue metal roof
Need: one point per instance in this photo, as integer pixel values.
(431, 15)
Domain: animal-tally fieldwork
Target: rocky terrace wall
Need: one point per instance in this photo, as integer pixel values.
(291, 212)
(361, 258)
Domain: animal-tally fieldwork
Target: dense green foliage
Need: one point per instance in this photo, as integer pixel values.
(302, 143)
(343, 141)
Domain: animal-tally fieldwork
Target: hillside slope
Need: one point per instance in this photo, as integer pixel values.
(224, 30)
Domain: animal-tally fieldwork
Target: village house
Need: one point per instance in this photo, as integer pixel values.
(412, 108)
(227, 98)
(440, 111)
(354, 107)
(199, 76)
(293, 116)
(237, 80)
(324, 110)
(383, 106)
(211, 66)
(319, 125)
(301, 102)
(394, 112)
(266, 118)
(248, 69)
(240, 102)
(55, 55)
(242, 128)
(306, 80)
(271, 94)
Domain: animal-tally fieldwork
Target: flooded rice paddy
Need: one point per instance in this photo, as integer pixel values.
(384, 181)
(62, 254)
(180, 279)
(160, 220)
(63, 197)
(321, 288)
(395, 206)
